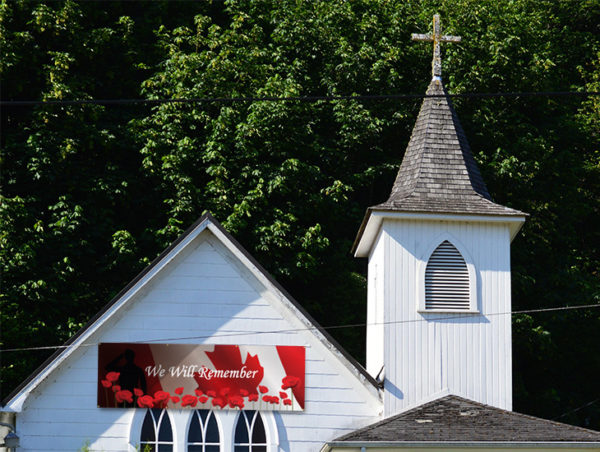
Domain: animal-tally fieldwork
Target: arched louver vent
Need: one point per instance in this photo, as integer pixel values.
(447, 280)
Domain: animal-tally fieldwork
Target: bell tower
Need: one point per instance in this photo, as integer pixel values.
(438, 309)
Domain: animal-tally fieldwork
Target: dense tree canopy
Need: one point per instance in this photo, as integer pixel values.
(91, 193)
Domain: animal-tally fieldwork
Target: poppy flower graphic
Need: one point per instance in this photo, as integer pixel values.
(283, 395)
(179, 390)
(138, 392)
(161, 395)
(267, 398)
(189, 400)
(236, 401)
(146, 402)
(106, 383)
(224, 392)
(174, 399)
(112, 376)
(198, 392)
(287, 401)
(263, 389)
(219, 402)
(124, 396)
(211, 393)
(252, 397)
(244, 393)
(116, 388)
(289, 381)
(203, 399)
(274, 400)
(161, 398)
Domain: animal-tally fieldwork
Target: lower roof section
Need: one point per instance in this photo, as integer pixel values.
(455, 422)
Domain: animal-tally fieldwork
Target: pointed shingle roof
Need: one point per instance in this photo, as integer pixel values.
(455, 419)
(438, 173)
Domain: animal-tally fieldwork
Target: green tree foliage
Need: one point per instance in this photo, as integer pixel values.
(91, 193)
(72, 190)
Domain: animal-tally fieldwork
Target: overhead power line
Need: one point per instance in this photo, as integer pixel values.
(576, 409)
(365, 97)
(315, 328)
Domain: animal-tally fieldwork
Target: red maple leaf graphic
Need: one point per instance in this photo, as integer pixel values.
(229, 358)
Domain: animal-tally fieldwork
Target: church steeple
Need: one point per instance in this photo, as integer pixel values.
(438, 174)
(438, 308)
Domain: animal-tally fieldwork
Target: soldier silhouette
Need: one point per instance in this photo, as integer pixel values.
(131, 376)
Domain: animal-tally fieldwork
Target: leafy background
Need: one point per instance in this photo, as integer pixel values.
(92, 193)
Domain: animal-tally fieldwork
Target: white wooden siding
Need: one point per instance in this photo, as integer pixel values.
(201, 297)
(427, 353)
(375, 310)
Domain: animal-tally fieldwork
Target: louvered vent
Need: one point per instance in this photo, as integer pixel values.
(447, 279)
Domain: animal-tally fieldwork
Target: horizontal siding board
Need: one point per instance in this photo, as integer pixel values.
(206, 284)
(208, 309)
(89, 429)
(204, 269)
(319, 420)
(75, 415)
(201, 296)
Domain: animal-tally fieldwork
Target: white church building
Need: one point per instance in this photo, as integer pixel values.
(205, 352)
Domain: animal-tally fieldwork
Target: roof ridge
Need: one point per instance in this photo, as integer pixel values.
(419, 157)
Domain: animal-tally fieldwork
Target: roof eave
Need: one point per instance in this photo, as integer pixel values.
(374, 217)
(462, 444)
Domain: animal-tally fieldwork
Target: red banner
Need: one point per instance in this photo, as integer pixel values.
(201, 376)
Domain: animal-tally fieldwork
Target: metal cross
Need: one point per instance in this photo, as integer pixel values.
(436, 37)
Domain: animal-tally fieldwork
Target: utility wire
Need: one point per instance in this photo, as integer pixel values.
(576, 409)
(366, 97)
(316, 328)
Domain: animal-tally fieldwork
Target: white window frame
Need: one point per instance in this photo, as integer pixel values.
(138, 430)
(270, 424)
(212, 413)
(473, 290)
(250, 424)
(181, 419)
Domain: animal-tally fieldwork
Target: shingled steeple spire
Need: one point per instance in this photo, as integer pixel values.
(438, 174)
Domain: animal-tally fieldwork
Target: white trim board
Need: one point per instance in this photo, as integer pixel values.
(375, 220)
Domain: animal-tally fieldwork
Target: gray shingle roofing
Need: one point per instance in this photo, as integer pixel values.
(438, 173)
(452, 418)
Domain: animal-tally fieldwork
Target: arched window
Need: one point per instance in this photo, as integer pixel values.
(447, 280)
(157, 434)
(203, 435)
(250, 434)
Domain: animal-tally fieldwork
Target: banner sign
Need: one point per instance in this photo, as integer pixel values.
(201, 376)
